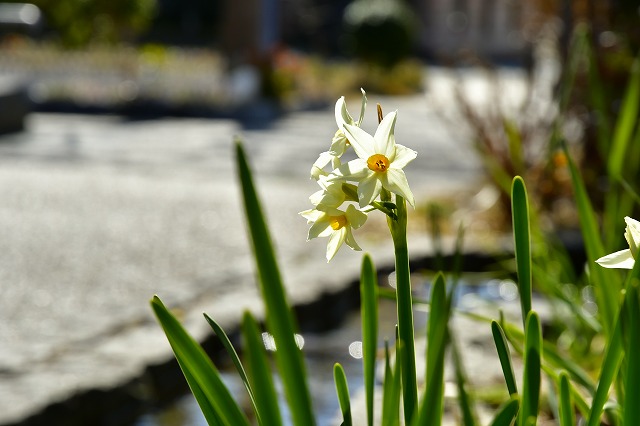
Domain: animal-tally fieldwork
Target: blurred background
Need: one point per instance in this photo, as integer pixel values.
(115, 115)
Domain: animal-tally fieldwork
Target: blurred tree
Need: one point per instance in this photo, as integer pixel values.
(380, 31)
(76, 23)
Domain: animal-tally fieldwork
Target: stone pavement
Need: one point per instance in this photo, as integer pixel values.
(98, 214)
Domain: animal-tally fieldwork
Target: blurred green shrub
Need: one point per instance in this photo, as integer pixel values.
(76, 23)
(379, 31)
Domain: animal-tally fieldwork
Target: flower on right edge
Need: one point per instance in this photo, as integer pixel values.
(624, 259)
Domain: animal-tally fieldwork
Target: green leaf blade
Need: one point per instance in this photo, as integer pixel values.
(342, 390)
(279, 317)
(206, 384)
(265, 397)
(522, 240)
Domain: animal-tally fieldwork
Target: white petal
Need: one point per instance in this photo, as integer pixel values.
(311, 215)
(368, 189)
(335, 241)
(632, 234)
(338, 144)
(396, 182)
(384, 140)
(355, 217)
(403, 156)
(354, 170)
(362, 142)
(621, 259)
(342, 115)
(351, 242)
(320, 228)
(363, 106)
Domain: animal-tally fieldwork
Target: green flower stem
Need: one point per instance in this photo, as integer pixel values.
(398, 228)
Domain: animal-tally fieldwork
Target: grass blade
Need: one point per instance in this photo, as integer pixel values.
(204, 380)
(369, 312)
(532, 366)
(566, 414)
(505, 357)
(342, 389)
(433, 404)
(626, 122)
(391, 391)
(224, 339)
(631, 412)
(610, 365)
(465, 402)
(606, 289)
(261, 382)
(507, 412)
(279, 317)
(522, 240)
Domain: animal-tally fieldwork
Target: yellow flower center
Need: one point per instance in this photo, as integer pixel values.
(337, 222)
(378, 163)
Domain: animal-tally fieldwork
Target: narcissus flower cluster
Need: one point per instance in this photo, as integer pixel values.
(349, 191)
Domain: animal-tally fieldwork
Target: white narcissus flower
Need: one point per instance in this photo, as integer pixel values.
(340, 141)
(335, 224)
(380, 162)
(624, 259)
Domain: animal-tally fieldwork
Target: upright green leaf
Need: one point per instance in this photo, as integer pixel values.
(433, 403)
(469, 417)
(224, 339)
(216, 403)
(606, 289)
(505, 357)
(391, 388)
(626, 122)
(260, 377)
(610, 365)
(369, 313)
(279, 317)
(521, 235)
(565, 408)
(342, 389)
(532, 367)
(507, 412)
(631, 412)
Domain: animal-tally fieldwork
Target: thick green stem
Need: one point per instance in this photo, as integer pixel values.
(398, 228)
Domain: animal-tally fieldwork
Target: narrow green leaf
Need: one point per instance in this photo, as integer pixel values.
(280, 321)
(505, 357)
(391, 391)
(224, 339)
(567, 416)
(606, 288)
(469, 417)
(202, 376)
(433, 403)
(610, 365)
(626, 123)
(521, 235)
(369, 313)
(631, 413)
(532, 366)
(260, 378)
(342, 389)
(507, 412)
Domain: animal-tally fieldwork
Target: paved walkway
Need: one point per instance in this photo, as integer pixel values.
(98, 214)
